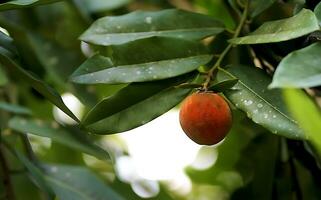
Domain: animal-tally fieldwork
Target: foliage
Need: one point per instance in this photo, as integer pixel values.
(129, 62)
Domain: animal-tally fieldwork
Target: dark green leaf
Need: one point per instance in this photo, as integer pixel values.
(317, 12)
(134, 105)
(299, 69)
(36, 174)
(263, 106)
(15, 4)
(6, 43)
(307, 113)
(223, 85)
(71, 182)
(143, 60)
(43, 88)
(68, 137)
(14, 108)
(281, 30)
(143, 24)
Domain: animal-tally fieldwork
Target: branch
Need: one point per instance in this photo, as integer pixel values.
(227, 49)
(6, 175)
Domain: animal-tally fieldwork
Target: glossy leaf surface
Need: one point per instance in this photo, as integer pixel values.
(263, 106)
(281, 30)
(144, 24)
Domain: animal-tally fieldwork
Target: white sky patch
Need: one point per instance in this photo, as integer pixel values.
(160, 150)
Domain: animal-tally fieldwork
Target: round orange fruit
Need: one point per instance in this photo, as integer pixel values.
(205, 117)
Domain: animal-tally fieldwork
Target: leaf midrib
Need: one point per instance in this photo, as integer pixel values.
(145, 32)
(240, 81)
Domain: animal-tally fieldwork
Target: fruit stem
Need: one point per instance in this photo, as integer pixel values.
(228, 48)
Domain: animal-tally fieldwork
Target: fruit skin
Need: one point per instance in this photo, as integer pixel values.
(205, 117)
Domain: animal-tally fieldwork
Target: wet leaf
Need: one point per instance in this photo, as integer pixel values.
(263, 106)
(281, 30)
(143, 60)
(144, 24)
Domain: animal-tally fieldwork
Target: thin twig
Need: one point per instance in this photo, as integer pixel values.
(227, 49)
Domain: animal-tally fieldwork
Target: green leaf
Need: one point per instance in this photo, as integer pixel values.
(103, 5)
(143, 24)
(71, 182)
(16, 4)
(43, 88)
(15, 108)
(263, 106)
(72, 138)
(134, 105)
(6, 44)
(155, 60)
(258, 6)
(36, 174)
(281, 30)
(299, 69)
(306, 113)
(317, 12)
(217, 9)
(223, 85)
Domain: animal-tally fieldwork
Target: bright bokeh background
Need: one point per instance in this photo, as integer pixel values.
(158, 151)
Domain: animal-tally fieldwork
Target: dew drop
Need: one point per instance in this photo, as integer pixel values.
(54, 169)
(148, 20)
(259, 105)
(247, 103)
